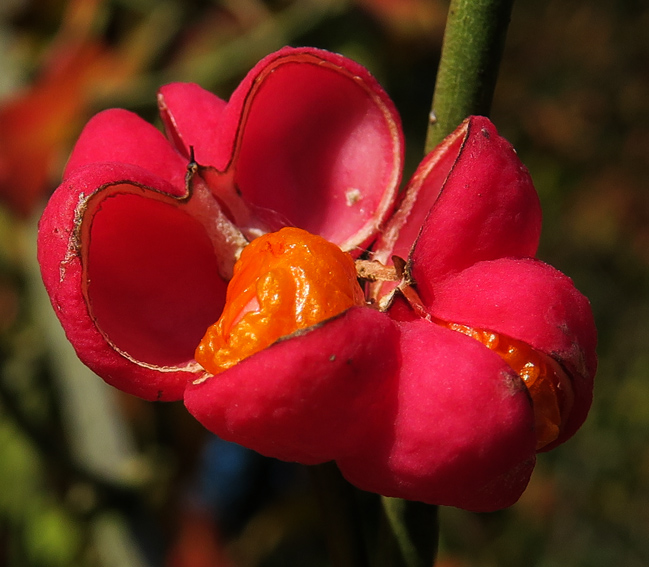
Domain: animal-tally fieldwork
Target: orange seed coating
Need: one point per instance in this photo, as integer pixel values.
(283, 281)
(547, 384)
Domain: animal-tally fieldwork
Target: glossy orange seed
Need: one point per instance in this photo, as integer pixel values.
(283, 281)
(546, 382)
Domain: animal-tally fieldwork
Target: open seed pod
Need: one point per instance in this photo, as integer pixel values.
(468, 357)
(137, 244)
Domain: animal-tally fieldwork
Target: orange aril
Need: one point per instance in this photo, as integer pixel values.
(283, 281)
(547, 383)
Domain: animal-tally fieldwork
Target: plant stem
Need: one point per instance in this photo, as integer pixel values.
(466, 78)
(412, 535)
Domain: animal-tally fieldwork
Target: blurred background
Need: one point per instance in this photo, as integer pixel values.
(93, 478)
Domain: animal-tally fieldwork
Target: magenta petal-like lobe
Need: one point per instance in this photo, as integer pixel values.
(487, 209)
(132, 277)
(307, 398)
(319, 142)
(419, 196)
(529, 301)
(192, 117)
(120, 136)
(462, 433)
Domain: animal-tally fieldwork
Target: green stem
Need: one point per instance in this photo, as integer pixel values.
(466, 79)
(412, 534)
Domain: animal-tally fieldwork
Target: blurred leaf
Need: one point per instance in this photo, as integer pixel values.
(52, 538)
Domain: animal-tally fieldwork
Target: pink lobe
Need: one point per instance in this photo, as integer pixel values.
(301, 398)
(462, 431)
(132, 277)
(533, 302)
(120, 136)
(419, 196)
(487, 209)
(192, 117)
(318, 141)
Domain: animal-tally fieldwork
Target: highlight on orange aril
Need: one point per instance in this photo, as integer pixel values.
(546, 382)
(284, 281)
